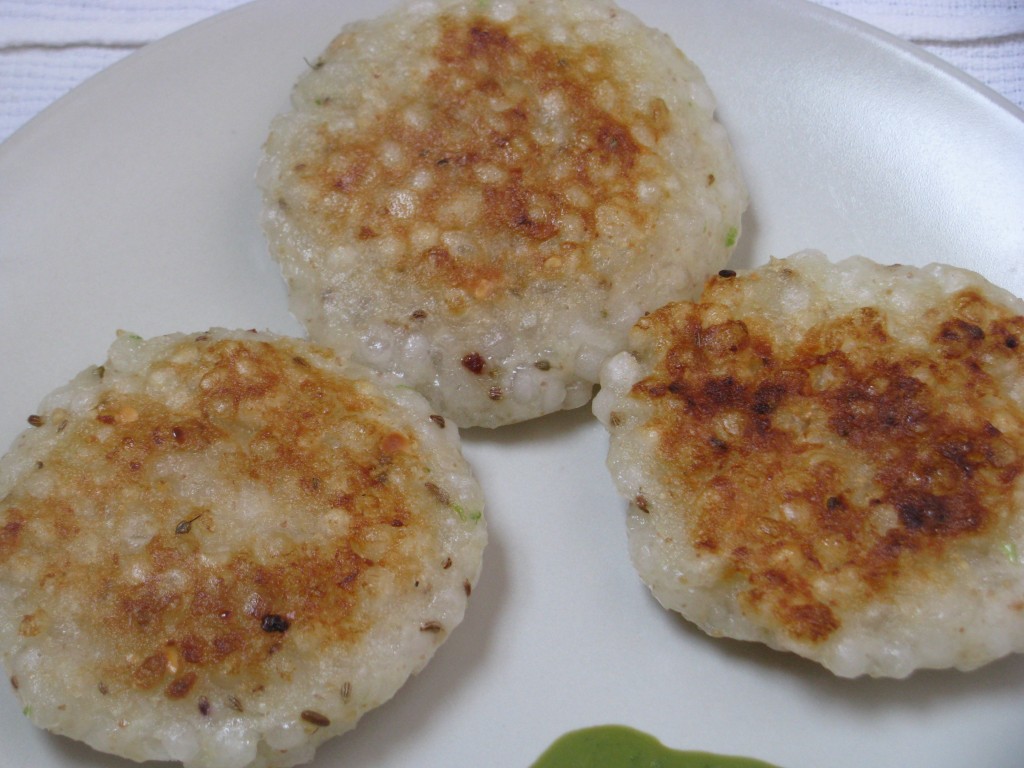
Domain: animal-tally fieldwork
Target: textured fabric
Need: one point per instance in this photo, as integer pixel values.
(98, 22)
(984, 38)
(33, 78)
(49, 46)
(998, 63)
(938, 19)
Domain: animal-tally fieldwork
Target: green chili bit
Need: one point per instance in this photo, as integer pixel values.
(1010, 548)
(471, 516)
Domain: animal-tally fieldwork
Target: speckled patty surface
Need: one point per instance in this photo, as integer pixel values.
(223, 548)
(828, 458)
(483, 197)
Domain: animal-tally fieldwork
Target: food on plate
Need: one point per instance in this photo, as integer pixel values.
(616, 746)
(483, 197)
(828, 458)
(223, 548)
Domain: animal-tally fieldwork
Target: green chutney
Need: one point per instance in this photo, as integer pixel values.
(617, 746)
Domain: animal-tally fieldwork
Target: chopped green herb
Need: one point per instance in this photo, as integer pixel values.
(1010, 548)
(730, 237)
(471, 516)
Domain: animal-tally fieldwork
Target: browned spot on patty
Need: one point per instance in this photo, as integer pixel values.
(833, 468)
(10, 533)
(491, 171)
(179, 610)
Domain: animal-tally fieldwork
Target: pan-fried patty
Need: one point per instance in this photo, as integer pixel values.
(223, 548)
(483, 197)
(828, 458)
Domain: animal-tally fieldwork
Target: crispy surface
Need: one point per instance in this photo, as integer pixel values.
(512, 185)
(530, 204)
(261, 414)
(842, 455)
(236, 518)
(832, 458)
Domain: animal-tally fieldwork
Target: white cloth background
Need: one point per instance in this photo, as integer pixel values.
(49, 46)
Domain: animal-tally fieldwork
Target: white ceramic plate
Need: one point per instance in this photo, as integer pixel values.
(131, 204)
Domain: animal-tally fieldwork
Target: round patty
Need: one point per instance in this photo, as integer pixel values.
(224, 548)
(828, 458)
(483, 197)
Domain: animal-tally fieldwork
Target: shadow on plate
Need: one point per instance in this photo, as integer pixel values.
(553, 426)
(746, 255)
(434, 691)
(925, 687)
(65, 751)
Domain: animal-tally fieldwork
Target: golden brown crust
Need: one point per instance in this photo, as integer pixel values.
(203, 597)
(489, 170)
(518, 181)
(841, 467)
